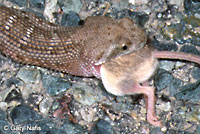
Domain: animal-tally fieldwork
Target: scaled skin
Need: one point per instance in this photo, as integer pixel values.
(29, 39)
(103, 47)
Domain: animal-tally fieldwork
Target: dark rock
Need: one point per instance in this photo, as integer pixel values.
(37, 3)
(13, 96)
(55, 85)
(29, 75)
(71, 19)
(189, 92)
(70, 5)
(21, 3)
(12, 81)
(190, 49)
(23, 113)
(198, 129)
(162, 79)
(174, 86)
(141, 18)
(196, 73)
(192, 6)
(157, 130)
(171, 11)
(72, 128)
(102, 127)
(164, 47)
(181, 33)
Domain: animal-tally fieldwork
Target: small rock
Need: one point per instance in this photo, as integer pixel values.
(14, 95)
(102, 127)
(166, 65)
(192, 6)
(138, 17)
(71, 128)
(23, 113)
(5, 126)
(12, 81)
(37, 3)
(29, 75)
(174, 87)
(21, 3)
(196, 73)
(138, 2)
(31, 78)
(190, 49)
(198, 130)
(176, 2)
(45, 105)
(183, 32)
(55, 85)
(70, 5)
(120, 4)
(189, 92)
(71, 19)
(88, 115)
(162, 80)
(50, 8)
(85, 94)
(165, 106)
(159, 6)
(164, 47)
(157, 130)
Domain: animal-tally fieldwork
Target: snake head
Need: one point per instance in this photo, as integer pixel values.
(126, 38)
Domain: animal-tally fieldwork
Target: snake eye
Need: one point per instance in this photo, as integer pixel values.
(124, 47)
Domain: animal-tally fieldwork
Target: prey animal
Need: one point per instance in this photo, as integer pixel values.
(109, 49)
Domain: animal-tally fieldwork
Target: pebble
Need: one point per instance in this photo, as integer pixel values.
(55, 85)
(157, 131)
(162, 80)
(45, 105)
(138, 17)
(176, 2)
(5, 126)
(71, 128)
(50, 8)
(70, 19)
(85, 94)
(23, 113)
(184, 32)
(31, 79)
(102, 127)
(165, 106)
(12, 81)
(196, 73)
(29, 75)
(138, 2)
(14, 95)
(189, 92)
(164, 47)
(198, 130)
(166, 65)
(174, 87)
(190, 49)
(19, 2)
(192, 6)
(70, 5)
(120, 4)
(37, 3)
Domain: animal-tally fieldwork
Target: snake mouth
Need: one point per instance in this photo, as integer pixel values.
(97, 71)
